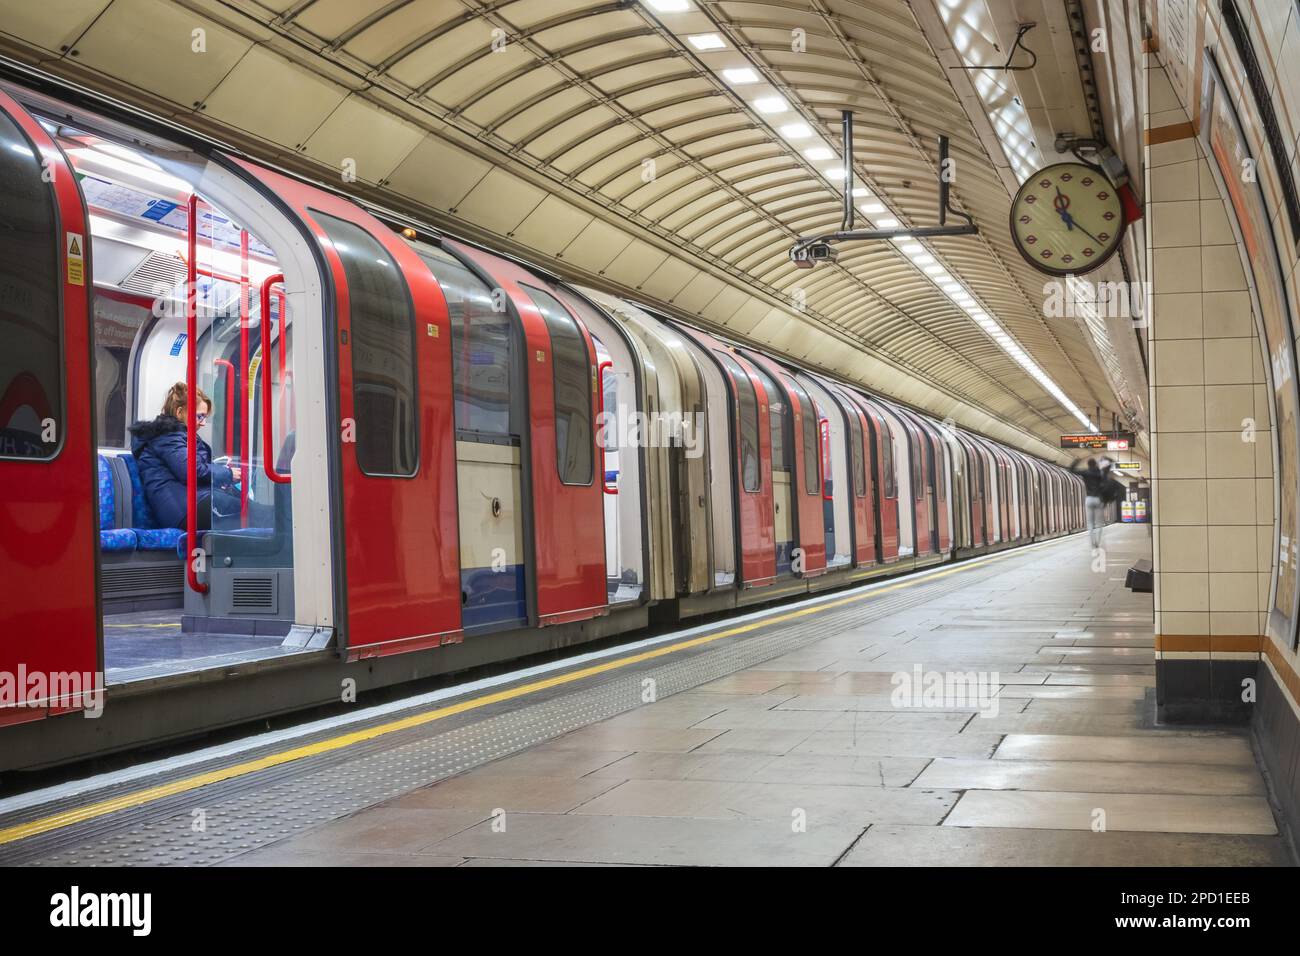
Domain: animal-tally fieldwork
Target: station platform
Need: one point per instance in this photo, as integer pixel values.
(788, 736)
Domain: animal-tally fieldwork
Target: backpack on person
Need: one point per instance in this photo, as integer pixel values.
(1112, 490)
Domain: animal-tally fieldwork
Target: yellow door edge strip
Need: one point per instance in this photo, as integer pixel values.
(162, 791)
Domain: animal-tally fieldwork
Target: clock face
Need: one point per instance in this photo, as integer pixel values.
(1067, 219)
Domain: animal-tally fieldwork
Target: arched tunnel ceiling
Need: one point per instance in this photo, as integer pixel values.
(544, 141)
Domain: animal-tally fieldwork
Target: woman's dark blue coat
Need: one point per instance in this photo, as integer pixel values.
(159, 449)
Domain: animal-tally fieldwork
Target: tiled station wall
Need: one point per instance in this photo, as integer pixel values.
(1212, 491)
(1214, 494)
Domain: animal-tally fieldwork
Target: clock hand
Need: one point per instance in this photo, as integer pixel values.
(1091, 236)
(1061, 204)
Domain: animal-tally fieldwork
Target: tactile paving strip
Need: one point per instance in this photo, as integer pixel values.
(253, 811)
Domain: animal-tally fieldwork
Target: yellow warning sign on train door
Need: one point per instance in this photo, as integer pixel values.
(76, 259)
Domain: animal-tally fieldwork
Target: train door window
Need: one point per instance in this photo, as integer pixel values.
(940, 476)
(481, 350)
(383, 352)
(747, 406)
(780, 417)
(811, 444)
(859, 461)
(573, 372)
(31, 326)
(887, 446)
(118, 319)
(914, 449)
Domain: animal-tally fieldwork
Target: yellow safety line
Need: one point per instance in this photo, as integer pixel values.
(140, 797)
(143, 625)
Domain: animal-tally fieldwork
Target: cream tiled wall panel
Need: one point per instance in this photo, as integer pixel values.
(1212, 488)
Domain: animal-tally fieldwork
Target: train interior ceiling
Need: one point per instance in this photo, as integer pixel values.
(839, 483)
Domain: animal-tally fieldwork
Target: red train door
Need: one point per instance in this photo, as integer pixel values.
(1002, 481)
(917, 495)
(942, 473)
(753, 470)
(806, 486)
(568, 499)
(395, 431)
(862, 478)
(49, 547)
(975, 496)
(1004, 495)
(932, 489)
(986, 496)
(881, 443)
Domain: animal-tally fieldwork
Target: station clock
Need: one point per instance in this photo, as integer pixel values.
(1067, 219)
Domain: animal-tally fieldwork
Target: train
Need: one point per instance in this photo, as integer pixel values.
(450, 457)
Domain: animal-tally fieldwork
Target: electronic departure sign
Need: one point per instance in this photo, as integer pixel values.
(1128, 465)
(1120, 441)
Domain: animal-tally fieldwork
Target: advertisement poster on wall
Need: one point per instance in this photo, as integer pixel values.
(1231, 157)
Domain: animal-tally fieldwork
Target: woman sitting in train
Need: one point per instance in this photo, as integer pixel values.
(159, 447)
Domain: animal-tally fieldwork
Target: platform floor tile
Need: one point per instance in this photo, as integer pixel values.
(1151, 812)
(895, 845)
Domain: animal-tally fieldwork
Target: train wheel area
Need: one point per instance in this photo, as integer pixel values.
(704, 749)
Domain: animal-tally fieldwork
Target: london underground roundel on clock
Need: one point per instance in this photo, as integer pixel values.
(1067, 219)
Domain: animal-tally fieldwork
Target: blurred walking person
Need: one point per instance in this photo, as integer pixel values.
(1095, 478)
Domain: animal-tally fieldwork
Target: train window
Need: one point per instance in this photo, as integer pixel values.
(481, 348)
(118, 318)
(914, 450)
(383, 351)
(574, 381)
(31, 326)
(811, 445)
(747, 407)
(940, 485)
(859, 462)
(887, 447)
(780, 418)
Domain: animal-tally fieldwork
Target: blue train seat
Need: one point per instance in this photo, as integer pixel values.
(149, 535)
(112, 539)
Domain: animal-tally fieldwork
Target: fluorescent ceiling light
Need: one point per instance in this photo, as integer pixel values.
(739, 75)
(835, 172)
(887, 223)
(818, 153)
(669, 6)
(921, 258)
(771, 104)
(861, 191)
(873, 208)
(796, 130)
(707, 41)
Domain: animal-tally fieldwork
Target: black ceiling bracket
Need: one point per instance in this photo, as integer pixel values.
(1018, 45)
(810, 250)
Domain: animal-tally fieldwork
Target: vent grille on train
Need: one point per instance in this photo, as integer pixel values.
(120, 582)
(157, 273)
(253, 593)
